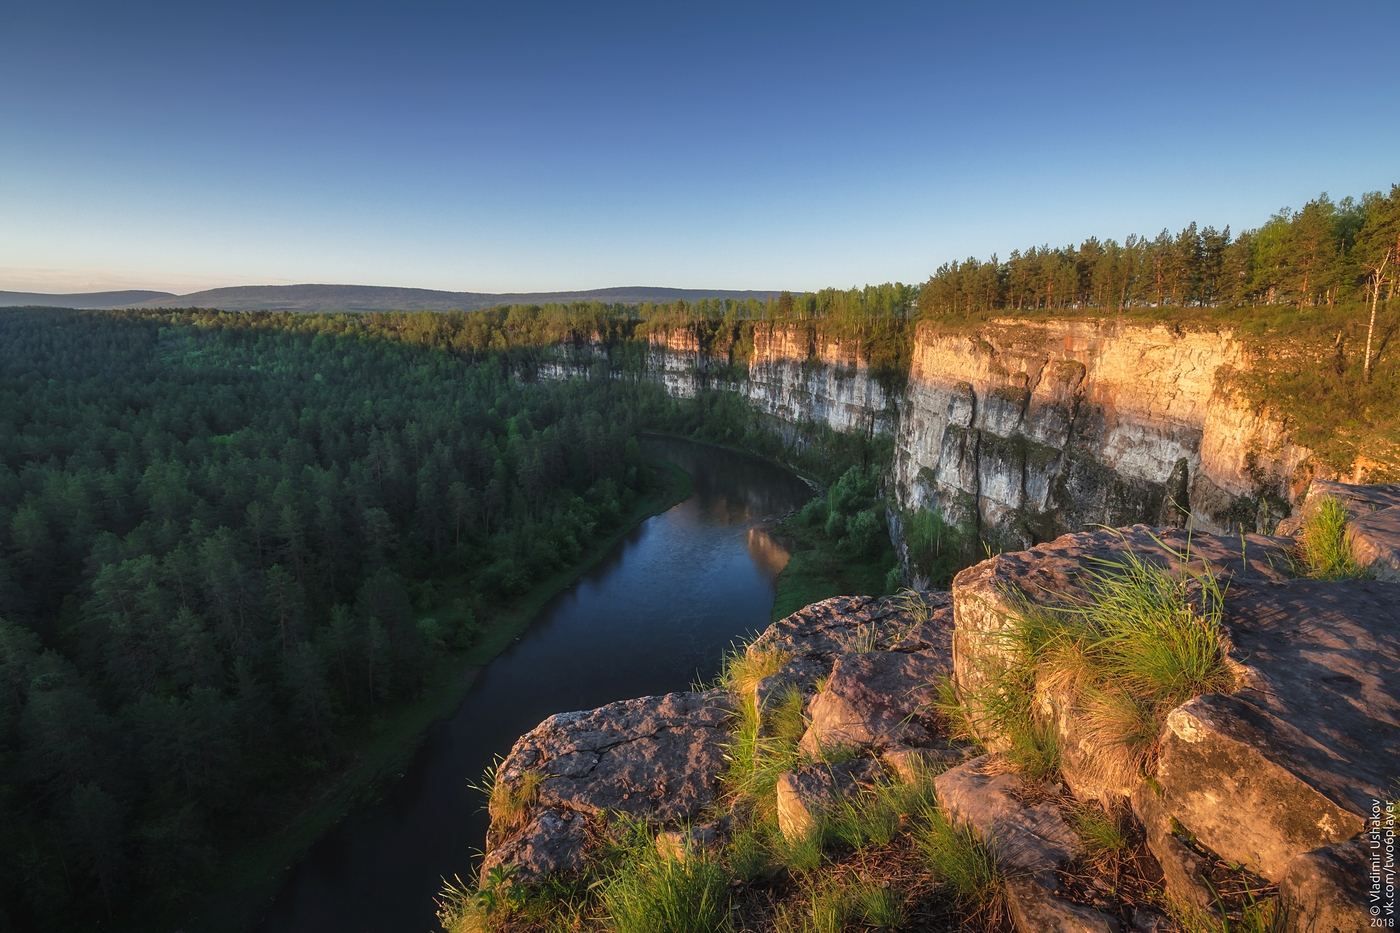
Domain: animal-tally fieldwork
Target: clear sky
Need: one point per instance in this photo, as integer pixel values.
(532, 146)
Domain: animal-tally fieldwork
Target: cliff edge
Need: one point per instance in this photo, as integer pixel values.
(1130, 729)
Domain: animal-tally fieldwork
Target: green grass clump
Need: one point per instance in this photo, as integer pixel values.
(651, 893)
(1323, 550)
(742, 669)
(1145, 640)
(1101, 832)
(1007, 703)
(875, 816)
(832, 905)
(501, 903)
(758, 754)
(965, 867)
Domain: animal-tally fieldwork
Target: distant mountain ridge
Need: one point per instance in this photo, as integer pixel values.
(119, 299)
(360, 298)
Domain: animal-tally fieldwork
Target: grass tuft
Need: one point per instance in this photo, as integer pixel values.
(965, 867)
(875, 816)
(742, 669)
(1145, 640)
(1255, 916)
(1101, 832)
(650, 893)
(830, 904)
(509, 804)
(1323, 550)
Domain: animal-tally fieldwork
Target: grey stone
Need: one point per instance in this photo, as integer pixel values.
(685, 843)
(844, 624)
(912, 765)
(805, 794)
(1036, 908)
(799, 672)
(1375, 542)
(1293, 759)
(655, 758)
(552, 842)
(1150, 920)
(1324, 891)
(1183, 870)
(873, 699)
(1374, 527)
(984, 794)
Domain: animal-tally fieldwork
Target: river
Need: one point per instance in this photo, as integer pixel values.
(654, 617)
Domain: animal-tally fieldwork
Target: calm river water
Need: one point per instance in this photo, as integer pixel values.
(654, 617)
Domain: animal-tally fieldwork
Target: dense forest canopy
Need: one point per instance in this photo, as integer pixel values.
(1325, 253)
(214, 532)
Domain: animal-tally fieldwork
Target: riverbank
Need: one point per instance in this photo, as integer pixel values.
(251, 875)
(818, 569)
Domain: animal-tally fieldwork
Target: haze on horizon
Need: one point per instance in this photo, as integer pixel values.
(537, 147)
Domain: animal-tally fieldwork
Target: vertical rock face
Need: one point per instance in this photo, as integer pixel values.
(827, 382)
(1026, 430)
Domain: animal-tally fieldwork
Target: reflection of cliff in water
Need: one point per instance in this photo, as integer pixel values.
(767, 552)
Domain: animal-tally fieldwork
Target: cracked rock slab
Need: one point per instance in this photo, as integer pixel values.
(655, 758)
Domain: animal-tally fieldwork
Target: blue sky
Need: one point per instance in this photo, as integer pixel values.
(529, 146)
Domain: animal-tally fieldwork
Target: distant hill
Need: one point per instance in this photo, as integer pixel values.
(83, 300)
(360, 298)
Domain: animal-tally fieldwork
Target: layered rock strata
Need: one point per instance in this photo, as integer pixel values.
(1025, 430)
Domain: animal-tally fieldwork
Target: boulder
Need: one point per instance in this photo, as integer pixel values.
(1375, 542)
(552, 842)
(985, 794)
(685, 842)
(1183, 869)
(1035, 908)
(805, 794)
(874, 698)
(1292, 761)
(655, 758)
(912, 765)
(1324, 891)
(844, 624)
(799, 672)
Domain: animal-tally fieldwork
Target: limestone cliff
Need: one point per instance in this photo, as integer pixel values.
(1027, 429)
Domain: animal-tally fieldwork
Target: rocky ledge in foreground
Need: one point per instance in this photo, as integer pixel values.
(1269, 782)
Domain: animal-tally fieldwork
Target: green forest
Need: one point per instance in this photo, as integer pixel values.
(231, 544)
(217, 530)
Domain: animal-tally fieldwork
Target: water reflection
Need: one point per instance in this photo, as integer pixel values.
(767, 552)
(654, 617)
